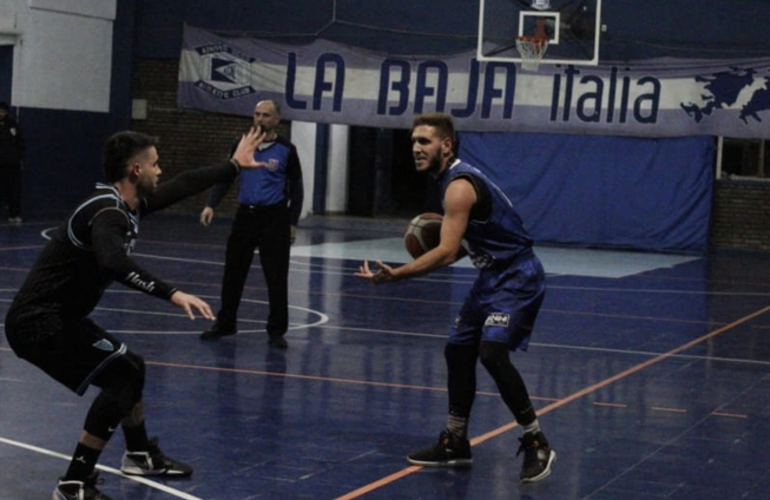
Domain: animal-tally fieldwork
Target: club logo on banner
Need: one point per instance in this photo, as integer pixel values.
(326, 82)
(738, 88)
(226, 74)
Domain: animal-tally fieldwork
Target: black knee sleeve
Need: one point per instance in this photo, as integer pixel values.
(461, 377)
(495, 357)
(122, 384)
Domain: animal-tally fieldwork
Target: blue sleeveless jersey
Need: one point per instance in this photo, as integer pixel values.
(505, 299)
(495, 232)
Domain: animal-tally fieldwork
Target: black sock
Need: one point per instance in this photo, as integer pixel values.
(83, 463)
(136, 437)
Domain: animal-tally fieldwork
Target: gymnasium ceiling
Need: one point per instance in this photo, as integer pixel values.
(635, 29)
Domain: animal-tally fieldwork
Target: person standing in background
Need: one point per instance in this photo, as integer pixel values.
(270, 204)
(11, 155)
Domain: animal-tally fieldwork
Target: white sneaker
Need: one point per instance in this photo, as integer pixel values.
(152, 463)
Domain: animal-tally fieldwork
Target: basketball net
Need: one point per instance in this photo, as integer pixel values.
(532, 48)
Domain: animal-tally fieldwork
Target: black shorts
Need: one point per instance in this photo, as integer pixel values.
(74, 354)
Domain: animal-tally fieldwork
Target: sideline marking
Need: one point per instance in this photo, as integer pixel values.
(562, 402)
(729, 415)
(138, 479)
(671, 410)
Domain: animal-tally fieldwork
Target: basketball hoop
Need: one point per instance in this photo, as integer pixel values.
(532, 50)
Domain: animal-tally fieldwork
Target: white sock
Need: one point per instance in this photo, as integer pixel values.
(532, 428)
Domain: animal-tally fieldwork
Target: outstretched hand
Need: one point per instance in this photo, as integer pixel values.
(191, 303)
(207, 215)
(383, 275)
(244, 152)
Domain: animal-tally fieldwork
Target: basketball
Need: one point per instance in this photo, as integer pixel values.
(422, 234)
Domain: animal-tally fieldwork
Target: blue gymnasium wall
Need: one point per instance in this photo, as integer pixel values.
(652, 194)
(603, 191)
(57, 175)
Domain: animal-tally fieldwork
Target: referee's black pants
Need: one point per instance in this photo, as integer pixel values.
(268, 228)
(10, 186)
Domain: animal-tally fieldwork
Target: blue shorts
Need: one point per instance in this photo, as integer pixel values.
(502, 305)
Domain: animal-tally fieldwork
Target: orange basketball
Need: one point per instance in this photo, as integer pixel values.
(423, 234)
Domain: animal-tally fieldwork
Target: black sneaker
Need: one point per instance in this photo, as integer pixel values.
(277, 340)
(450, 451)
(538, 457)
(152, 463)
(216, 332)
(79, 490)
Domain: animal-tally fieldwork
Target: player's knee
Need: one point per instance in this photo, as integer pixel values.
(461, 355)
(127, 394)
(495, 356)
(139, 371)
(123, 381)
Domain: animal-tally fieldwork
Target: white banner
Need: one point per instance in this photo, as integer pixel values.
(326, 82)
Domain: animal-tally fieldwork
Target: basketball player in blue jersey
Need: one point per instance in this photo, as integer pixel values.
(48, 324)
(498, 314)
(270, 204)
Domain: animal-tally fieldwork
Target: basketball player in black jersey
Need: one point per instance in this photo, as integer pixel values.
(48, 325)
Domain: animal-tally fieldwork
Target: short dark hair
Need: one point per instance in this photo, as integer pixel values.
(276, 106)
(120, 148)
(443, 122)
(4, 105)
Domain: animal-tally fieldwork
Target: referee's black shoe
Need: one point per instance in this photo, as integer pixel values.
(277, 340)
(216, 332)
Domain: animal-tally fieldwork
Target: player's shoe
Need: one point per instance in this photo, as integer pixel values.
(216, 332)
(450, 451)
(277, 340)
(152, 463)
(538, 457)
(79, 490)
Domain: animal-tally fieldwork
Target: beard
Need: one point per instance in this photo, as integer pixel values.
(146, 186)
(434, 164)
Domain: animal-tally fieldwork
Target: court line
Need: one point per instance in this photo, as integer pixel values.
(25, 247)
(729, 415)
(434, 336)
(480, 439)
(300, 376)
(147, 482)
(359, 492)
(449, 276)
(323, 318)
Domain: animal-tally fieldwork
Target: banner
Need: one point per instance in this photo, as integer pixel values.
(326, 82)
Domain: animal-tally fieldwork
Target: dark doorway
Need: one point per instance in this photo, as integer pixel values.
(6, 72)
(382, 180)
(362, 156)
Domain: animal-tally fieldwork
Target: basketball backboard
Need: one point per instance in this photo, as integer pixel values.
(573, 29)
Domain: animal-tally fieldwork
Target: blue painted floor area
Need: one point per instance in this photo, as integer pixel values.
(651, 374)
